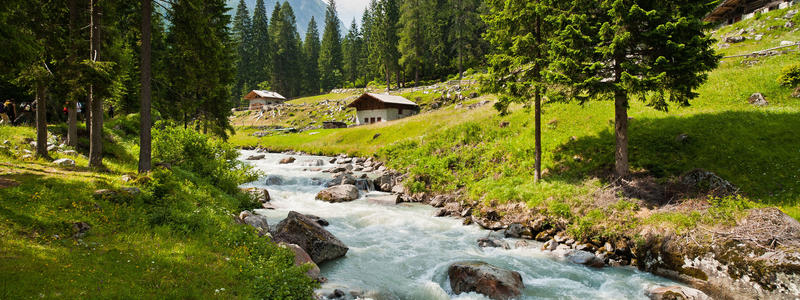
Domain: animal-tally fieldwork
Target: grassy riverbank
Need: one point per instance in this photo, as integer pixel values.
(174, 239)
(755, 148)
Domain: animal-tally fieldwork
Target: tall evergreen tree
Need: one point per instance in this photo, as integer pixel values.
(465, 33)
(311, 51)
(286, 70)
(416, 19)
(146, 92)
(385, 18)
(658, 51)
(330, 56)
(243, 40)
(261, 49)
(201, 72)
(351, 52)
(519, 32)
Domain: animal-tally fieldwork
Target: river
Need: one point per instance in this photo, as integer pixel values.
(403, 252)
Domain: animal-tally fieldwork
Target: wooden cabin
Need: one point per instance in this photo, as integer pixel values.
(373, 108)
(260, 98)
(732, 11)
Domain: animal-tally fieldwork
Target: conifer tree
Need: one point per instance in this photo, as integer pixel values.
(261, 50)
(415, 21)
(242, 38)
(330, 56)
(385, 18)
(352, 51)
(311, 50)
(654, 51)
(286, 69)
(519, 32)
(465, 32)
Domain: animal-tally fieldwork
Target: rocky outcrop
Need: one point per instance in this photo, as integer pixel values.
(758, 99)
(757, 258)
(486, 279)
(339, 193)
(302, 258)
(303, 231)
(704, 181)
(675, 293)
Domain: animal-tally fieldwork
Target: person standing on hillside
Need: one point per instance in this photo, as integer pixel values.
(4, 116)
(11, 110)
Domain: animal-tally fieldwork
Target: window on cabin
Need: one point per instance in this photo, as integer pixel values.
(399, 111)
(366, 120)
(379, 119)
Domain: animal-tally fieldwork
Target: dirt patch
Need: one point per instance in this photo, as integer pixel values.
(8, 183)
(767, 227)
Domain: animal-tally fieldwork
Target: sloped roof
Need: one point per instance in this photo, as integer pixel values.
(255, 94)
(728, 6)
(385, 99)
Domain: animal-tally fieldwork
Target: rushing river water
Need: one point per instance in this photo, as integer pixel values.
(403, 252)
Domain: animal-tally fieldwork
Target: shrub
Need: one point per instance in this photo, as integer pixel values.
(209, 158)
(790, 76)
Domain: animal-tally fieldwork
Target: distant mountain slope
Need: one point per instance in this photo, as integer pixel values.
(303, 11)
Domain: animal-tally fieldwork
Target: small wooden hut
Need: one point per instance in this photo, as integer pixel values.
(373, 108)
(732, 11)
(260, 98)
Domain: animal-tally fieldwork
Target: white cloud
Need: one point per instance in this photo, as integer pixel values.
(349, 9)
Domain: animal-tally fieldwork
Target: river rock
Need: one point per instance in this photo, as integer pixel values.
(339, 193)
(490, 242)
(302, 258)
(274, 180)
(364, 184)
(675, 293)
(494, 282)
(757, 99)
(257, 194)
(315, 163)
(340, 179)
(303, 231)
(585, 258)
(259, 222)
(392, 199)
(287, 160)
(64, 162)
(550, 245)
(485, 223)
(517, 230)
(256, 157)
(438, 201)
(322, 222)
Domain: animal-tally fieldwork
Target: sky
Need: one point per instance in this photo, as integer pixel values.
(348, 9)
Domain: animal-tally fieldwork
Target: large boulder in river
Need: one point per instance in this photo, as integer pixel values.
(486, 279)
(305, 232)
(340, 179)
(302, 258)
(585, 258)
(339, 193)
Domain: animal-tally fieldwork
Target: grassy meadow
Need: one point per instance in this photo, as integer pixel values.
(174, 239)
(756, 148)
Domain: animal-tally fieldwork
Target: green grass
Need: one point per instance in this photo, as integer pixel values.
(176, 239)
(320, 98)
(444, 150)
(770, 25)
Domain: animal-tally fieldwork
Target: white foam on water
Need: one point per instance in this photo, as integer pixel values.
(404, 251)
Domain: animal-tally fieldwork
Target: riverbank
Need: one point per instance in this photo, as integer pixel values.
(731, 253)
(72, 232)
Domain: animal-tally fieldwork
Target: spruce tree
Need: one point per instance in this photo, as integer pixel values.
(351, 49)
(518, 32)
(654, 51)
(330, 56)
(466, 29)
(242, 38)
(415, 21)
(386, 17)
(261, 49)
(311, 50)
(286, 69)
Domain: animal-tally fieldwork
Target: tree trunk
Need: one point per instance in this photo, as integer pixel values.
(144, 113)
(72, 106)
(388, 79)
(96, 133)
(416, 76)
(41, 121)
(537, 174)
(621, 166)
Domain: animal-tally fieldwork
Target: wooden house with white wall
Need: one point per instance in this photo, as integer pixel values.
(732, 11)
(260, 98)
(373, 108)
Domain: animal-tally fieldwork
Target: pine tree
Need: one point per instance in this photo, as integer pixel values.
(658, 51)
(242, 38)
(261, 50)
(465, 33)
(311, 51)
(286, 69)
(352, 51)
(330, 56)
(415, 21)
(519, 32)
(385, 18)
(146, 92)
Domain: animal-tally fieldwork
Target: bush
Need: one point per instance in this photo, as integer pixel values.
(209, 158)
(790, 76)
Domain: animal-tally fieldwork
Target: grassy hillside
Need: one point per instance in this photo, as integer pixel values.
(753, 147)
(174, 239)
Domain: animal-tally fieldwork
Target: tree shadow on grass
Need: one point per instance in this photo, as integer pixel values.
(758, 151)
